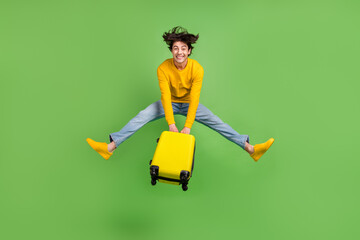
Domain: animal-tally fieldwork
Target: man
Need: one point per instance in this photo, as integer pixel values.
(180, 81)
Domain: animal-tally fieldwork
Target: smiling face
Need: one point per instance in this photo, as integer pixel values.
(180, 51)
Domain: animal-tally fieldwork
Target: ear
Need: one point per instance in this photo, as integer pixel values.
(189, 51)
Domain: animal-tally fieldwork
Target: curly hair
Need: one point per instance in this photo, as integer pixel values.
(180, 34)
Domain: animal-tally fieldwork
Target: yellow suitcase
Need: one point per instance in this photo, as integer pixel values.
(173, 161)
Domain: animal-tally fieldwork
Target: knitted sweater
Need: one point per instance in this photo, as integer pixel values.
(181, 86)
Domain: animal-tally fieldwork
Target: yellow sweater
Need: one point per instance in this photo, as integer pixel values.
(182, 86)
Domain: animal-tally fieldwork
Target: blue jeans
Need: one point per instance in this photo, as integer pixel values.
(156, 111)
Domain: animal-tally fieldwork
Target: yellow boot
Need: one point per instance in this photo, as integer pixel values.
(100, 147)
(260, 149)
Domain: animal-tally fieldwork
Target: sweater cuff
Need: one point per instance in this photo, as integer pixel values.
(169, 123)
(188, 125)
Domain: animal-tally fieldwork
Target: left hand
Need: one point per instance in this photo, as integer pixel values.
(186, 130)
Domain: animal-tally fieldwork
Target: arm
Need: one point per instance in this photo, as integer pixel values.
(194, 100)
(166, 99)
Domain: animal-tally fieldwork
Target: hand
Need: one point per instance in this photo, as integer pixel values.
(173, 128)
(186, 130)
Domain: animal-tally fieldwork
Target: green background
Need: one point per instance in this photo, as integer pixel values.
(76, 69)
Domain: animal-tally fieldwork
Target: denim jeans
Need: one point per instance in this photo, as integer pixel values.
(156, 111)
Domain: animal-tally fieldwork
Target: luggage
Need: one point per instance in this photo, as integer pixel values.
(173, 161)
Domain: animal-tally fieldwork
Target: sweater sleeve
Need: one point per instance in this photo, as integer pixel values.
(165, 96)
(194, 97)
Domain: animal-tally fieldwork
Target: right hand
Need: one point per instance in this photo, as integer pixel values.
(173, 128)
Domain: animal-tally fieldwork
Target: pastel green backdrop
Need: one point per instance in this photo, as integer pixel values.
(77, 69)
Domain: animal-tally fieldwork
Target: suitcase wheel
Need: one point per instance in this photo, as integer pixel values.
(153, 182)
(184, 187)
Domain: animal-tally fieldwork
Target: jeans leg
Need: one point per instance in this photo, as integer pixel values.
(206, 117)
(151, 113)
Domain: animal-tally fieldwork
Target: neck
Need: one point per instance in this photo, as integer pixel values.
(180, 66)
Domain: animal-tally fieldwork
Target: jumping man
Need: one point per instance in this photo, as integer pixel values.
(180, 80)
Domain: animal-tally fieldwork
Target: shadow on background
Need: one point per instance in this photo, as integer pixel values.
(131, 225)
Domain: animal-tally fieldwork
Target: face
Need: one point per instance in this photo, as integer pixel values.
(180, 51)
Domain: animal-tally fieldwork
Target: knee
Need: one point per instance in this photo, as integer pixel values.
(141, 116)
(209, 119)
(147, 114)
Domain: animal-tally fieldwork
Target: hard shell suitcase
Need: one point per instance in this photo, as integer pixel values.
(173, 161)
